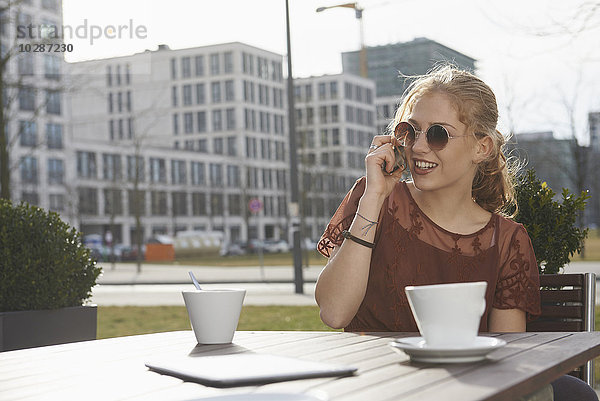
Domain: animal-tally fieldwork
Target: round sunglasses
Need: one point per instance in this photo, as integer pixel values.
(437, 135)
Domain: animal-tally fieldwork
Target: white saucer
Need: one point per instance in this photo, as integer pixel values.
(417, 349)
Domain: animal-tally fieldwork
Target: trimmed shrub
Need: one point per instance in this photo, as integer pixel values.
(43, 264)
(551, 224)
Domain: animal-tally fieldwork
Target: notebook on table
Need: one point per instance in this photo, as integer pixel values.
(245, 369)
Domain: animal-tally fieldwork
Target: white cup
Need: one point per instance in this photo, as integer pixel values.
(214, 314)
(448, 315)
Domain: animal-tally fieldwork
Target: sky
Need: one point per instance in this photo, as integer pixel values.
(533, 53)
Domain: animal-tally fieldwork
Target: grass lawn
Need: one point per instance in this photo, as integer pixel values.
(118, 321)
(592, 247)
(269, 259)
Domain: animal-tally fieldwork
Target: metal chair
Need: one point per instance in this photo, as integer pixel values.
(568, 302)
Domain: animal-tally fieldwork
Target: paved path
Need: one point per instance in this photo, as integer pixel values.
(162, 284)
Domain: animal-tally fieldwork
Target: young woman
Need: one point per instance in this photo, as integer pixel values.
(447, 224)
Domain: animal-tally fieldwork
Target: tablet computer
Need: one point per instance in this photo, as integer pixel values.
(245, 369)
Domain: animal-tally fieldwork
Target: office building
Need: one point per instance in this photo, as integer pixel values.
(335, 123)
(386, 63)
(35, 114)
(207, 127)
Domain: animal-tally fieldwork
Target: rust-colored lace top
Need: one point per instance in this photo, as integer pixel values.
(410, 249)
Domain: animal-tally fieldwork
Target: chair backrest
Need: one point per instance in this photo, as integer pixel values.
(568, 304)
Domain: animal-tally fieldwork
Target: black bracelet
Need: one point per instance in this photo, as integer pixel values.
(346, 234)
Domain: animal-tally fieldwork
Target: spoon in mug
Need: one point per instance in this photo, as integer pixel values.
(195, 281)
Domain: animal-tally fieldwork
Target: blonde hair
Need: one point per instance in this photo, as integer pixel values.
(493, 184)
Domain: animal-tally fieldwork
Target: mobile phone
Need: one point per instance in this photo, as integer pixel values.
(399, 162)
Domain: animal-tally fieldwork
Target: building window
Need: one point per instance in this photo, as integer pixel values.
(120, 102)
(28, 133)
(235, 204)
(201, 120)
(230, 116)
(29, 170)
(57, 202)
(216, 175)
(233, 176)
(113, 202)
(187, 95)
(129, 101)
(215, 88)
(228, 62)
(158, 203)
(333, 90)
(174, 96)
(198, 204)
(118, 75)
(25, 63)
(158, 171)
(199, 65)
(186, 67)
(88, 201)
(110, 102)
(218, 147)
(26, 98)
(108, 75)
(202, 146)
(173, 68)
(178, 173)
(179, 201)
(135, 169)
(111, 166)
(214, 64)
(198, 175)
(322, 90)
(175, 124)
(127, 74)
(232, 146)
(216, 204)
(217, 121)
(188, 123)
(130, 128)
(52, 67)
(86, 164)
(136, 202)
(200, 94)
(54, 136)
(56, 171)
(53, 102)
(229, 91)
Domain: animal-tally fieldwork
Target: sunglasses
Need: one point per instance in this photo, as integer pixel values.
(437, 135)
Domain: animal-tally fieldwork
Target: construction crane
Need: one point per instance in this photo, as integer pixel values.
(363, 50)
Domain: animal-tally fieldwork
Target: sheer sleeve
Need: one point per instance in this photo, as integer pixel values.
(342, 219)
(518, 282)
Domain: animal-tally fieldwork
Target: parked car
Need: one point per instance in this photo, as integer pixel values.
(276, 246)
(309, 244)
(234, 248)
(254, 245)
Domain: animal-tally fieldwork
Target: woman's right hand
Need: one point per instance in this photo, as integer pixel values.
(380, 183)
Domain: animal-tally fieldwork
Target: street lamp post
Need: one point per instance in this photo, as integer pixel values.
(363, 50)
(294, 209)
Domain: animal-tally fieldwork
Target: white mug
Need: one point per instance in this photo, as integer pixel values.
(214, 314)
(448, 315)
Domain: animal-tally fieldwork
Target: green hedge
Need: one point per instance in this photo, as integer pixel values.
(43, 264)
(551, 224)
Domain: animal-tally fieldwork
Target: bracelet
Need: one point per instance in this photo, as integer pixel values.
(368, 227)
(346, 234)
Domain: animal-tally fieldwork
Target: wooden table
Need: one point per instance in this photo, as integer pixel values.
(113, 369)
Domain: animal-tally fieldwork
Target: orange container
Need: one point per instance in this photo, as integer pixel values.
(160, 253)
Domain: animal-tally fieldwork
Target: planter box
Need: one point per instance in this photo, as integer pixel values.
(27, 329)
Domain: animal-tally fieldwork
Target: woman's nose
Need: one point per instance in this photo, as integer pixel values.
(420, 144)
